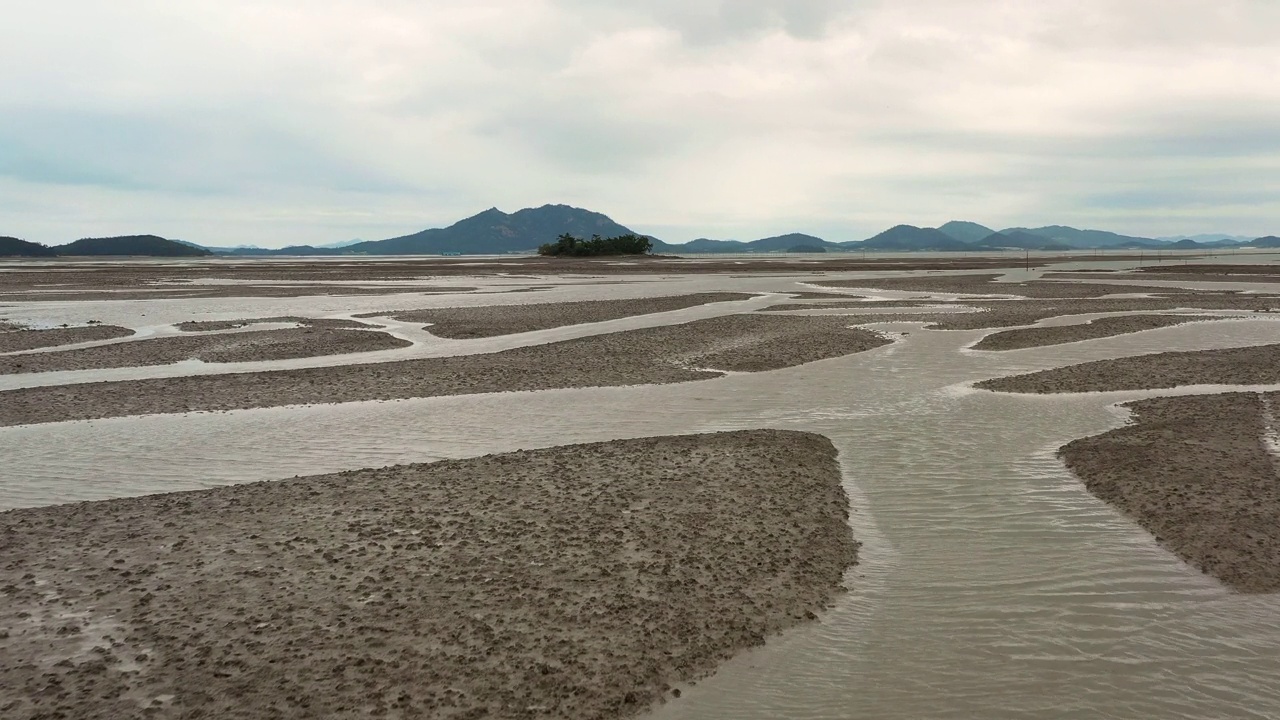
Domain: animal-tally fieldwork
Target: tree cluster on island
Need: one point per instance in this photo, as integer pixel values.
(629, 244)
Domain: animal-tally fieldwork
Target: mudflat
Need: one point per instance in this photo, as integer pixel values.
(491, 320)
(989, 313)
(668, 354)
(1195, 473)
(73, 275)
(578, 581)
(1098, 328)
(15, 340)
(218, 325)
(1254, 365)
(219, 348)
(986, 284)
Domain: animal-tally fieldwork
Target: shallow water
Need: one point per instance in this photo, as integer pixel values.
(991, 584)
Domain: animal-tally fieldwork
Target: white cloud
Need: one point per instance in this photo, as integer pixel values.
(275, 122)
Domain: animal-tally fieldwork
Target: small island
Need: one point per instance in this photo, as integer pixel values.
(629, 244)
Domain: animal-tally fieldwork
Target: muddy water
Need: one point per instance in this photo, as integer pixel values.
(991, 583)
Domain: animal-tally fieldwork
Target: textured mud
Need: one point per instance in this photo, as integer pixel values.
(1099, 328)
(1195, 472)
(987, 284)
(218, 325)
(986, 313)
(574, 582)
(491, 320)
(216, 348)
(1254, 365)
(15, 339)
(225, 291)
(676, 353)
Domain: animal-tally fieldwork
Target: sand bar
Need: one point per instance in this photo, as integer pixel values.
(16, 340)
(1195, 472)
(219, 325)
(985, 284)
(218, 348)
(1098, 328)
(68, 274)
(1213, 269)
(573, 582)
(668, 354)
(179, 292)
(491, 320)
(1253, 365)
(1013, 313)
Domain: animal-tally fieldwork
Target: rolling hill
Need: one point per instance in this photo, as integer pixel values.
(910, 237)
(707, 245)
(494, 231)
(1076, 238)
(146, 245)
(965, 231)
(776, 243)
(13, 247)
(1021, 241)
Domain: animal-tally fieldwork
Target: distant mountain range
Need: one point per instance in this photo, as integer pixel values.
(125, 245)
(497, 232)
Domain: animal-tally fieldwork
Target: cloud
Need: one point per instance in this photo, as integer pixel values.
(307, 122)
(712, 21)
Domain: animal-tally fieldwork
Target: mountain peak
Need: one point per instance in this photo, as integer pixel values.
(494, 231)
(966, 231)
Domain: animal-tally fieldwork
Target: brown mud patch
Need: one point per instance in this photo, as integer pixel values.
(219, 348)
(987, 285)
(668, 354)
(1014, 312)
(17, 340)
(1099, 328)
(1196, 474)
(216, 325)
(579, 581)
(223, 291)
(1254, 365)
(491, 320)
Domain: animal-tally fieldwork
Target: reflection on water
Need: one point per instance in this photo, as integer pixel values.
(991, 584)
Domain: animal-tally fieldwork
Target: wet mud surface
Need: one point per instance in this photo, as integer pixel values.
(16, 339)
(1196, 473)
(218, 325)
(1098, 328)
(675, 353)
(577, 581)
(1255, 365)
(216, 348)
(491, 320)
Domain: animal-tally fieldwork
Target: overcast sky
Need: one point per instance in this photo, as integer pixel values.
(279, 122)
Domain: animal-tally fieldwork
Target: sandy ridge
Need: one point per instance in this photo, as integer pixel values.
(216, 325)
(1194, 472)
(575, 582)
(985, 284)
(221, 348)
(15, 340)
(667, 354)
(1097, 328)
(1253, 365)
(491, 320)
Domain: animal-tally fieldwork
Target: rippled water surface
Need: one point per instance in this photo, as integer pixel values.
(991, 584)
